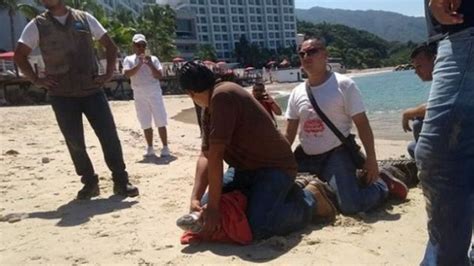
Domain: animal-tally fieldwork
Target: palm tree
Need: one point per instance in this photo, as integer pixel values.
(13, 6)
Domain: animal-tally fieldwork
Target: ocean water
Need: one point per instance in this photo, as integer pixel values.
(385, 96)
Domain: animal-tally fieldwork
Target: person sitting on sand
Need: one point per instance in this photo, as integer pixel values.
(237, 130)
(422, 58)
(144, 72)
(266, 100)
(321, 152)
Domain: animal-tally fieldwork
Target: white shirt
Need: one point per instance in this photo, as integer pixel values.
(30, 34)
(339, 99)
(143, 82)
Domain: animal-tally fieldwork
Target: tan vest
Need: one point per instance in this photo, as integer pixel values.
(68, 53)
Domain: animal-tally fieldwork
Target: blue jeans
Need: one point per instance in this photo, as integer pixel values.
(68, 111)
(416, 127)
(336, 167)
(275, 204)
(445, 152)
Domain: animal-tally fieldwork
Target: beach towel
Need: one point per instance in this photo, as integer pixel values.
(234, 225)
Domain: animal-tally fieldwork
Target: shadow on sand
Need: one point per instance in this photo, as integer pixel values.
(158, 160)
(259, 251)
(77, 212)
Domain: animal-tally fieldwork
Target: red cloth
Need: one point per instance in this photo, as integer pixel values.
(234, 225)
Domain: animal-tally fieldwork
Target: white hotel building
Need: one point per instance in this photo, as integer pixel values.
(269, 23)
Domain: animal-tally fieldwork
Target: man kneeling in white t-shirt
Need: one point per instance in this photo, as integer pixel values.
(321, 152)
(144, 72)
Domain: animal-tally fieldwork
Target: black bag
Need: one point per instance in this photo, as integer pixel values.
(349, 142)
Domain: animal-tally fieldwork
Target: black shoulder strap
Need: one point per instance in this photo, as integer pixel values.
(321, 114)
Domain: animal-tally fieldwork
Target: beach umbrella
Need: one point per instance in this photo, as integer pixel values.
(7, 55)
(249, 68)
(207, 62)
(271, 63)
(178, 59)
(221, 63)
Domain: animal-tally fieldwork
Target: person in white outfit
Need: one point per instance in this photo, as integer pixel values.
(144, 72)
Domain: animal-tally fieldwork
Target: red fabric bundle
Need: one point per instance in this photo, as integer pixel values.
(234, 225)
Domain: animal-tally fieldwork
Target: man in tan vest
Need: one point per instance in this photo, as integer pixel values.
(65, 38)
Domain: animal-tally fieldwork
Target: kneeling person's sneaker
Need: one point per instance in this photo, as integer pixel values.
(396, 188)
(126, 190)
(165, 152)
(190, 222)
(325, 210)
(149, 152)
(88, 191)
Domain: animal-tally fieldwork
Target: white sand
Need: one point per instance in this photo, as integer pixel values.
(39, 184)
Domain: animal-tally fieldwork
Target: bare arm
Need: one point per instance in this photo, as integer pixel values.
(215, 173)
(200, 182)
(367, 137)
(132, 71)
(111, 56)
(291, 130)
(22, 52)
(211, 215)
(275, 107)
(412, 113)
(157, 74)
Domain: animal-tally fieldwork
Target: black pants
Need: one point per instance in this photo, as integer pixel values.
(68, 111)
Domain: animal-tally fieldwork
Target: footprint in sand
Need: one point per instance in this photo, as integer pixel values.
(12, 152)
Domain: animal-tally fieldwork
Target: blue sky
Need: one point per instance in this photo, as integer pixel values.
(406, 7)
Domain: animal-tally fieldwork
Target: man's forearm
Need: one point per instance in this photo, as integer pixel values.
(156, 73)
(132, 71)
(367, 137)
(111, 54)
(25, 67)
(215, 174)
(200, 180)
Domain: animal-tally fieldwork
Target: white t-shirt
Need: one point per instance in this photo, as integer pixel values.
(143, 82)
(339, 98)
(30, 34)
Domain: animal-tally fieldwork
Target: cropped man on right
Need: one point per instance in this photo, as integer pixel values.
(445, 149)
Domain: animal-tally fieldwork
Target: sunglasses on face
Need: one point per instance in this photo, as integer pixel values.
(140, 45)
(309, 52)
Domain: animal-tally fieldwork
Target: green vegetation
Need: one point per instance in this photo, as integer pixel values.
(251, 54)
(357, 48)
(156, 22)
(387, 25)
(206, 52)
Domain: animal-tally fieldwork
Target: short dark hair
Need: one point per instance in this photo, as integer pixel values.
(259, 84)
(427, 49)
(196, 77)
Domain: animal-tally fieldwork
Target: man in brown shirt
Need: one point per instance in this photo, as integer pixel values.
(238, 130)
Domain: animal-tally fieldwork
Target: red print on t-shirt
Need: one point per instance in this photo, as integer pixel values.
(313, 126)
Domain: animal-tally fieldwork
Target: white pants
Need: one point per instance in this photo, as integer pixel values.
(149, 106)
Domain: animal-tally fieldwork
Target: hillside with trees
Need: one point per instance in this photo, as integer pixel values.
(387, 25)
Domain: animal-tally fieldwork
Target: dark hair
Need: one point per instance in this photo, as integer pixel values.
(259, 84)
(313, 39)
(427, 49)
(196, 77)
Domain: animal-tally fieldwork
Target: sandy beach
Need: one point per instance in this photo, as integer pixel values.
(42, 224)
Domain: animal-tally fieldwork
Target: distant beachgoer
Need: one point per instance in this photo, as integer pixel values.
(237, 130)
(144, 72)
(65, 38)
(444, 152)
(320, 151)
(266, 100)
(422, 59)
